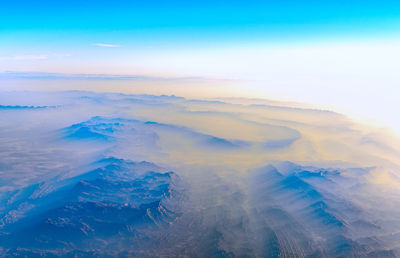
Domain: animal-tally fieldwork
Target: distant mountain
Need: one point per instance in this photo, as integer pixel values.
(105, 129)
(97, 128)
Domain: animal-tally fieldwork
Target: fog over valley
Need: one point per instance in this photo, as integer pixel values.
(107, 174)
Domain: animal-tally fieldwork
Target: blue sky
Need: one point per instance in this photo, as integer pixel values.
(65, 26)
(72, 32)
(337, 54)
(175, 20)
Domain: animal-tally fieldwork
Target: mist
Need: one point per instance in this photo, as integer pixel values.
(85, 173)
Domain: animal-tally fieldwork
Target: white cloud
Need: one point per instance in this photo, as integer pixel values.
(61, 55)
(104, 45)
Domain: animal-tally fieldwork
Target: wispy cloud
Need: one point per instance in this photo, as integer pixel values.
(24, 57)
(104, 45)
(82, 76)
(61, 55)
(33, 57)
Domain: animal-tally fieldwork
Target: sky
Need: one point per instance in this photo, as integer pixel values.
(339, 55)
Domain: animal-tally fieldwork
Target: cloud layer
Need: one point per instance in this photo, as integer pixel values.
(130, 174)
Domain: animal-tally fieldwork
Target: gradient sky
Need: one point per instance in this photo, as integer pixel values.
(337, 54)
(77, 29)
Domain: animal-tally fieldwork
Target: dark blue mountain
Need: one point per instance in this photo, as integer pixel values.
(118, 204)
(299, 206)
(96, 128)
